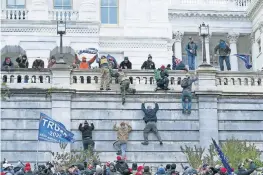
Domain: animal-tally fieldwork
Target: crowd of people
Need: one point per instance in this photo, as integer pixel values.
(120, 167)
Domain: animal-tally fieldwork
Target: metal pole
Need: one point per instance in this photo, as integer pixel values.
(61, 60)
(204, 50)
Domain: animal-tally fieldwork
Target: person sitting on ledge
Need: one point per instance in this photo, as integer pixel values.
(22, 61)
(7, 64)
(161, 77)
(38, 64)
(126, 64)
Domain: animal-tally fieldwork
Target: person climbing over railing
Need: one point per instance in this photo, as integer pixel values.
(150, 120)
(124, 81)
(105, 72)
(186, 84)
(122, 136)
(86, 131)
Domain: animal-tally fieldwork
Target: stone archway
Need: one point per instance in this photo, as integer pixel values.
(68, 53)
(12, 51)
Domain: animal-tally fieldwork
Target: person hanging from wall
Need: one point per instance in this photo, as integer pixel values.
(86, 130)
(22, 61)
(105, 72)
(122, 136)
(186, 84)
(224, 52)
(38, 64)
(150, 120)
(51, 62)
(161, 77)
(191, 49)
(7, 64)
(149, 64)
(84, 64)
(124, 81)
(126, 64)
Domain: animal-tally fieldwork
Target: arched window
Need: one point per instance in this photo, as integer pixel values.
(109, 11)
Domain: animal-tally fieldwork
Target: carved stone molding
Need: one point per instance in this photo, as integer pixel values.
(178, 36)
(133, 45)
(232, 38)
(215, 15)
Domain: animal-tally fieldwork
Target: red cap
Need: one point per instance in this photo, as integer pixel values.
(162, 67)
(223, 170)
(130, 170)
(140, 168)
(107, 164)
(118, 157)
(27, 167)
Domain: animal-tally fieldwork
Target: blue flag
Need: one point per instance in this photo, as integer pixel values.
(223, 158)
(88, 51)
(112, 59)
(53, 131)
(245, 58)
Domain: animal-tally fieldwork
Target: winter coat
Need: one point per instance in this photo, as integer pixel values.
(22, 63)
(87, 64)
(189, 84)
(125, 65)
(150, 114)
(148, 65)
(38, 63)
(119, 164)
(120, 75)
(164, 73)
(223, 50)
(10, 64)
(242, 171)
(123, 133)
(180, 66)
(86, 130)
(191, 46)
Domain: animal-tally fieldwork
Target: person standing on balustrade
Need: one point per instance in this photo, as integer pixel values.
(124, 81)
(224, 52)
(86, 131)
(105, 72)
(191, 49)
(150, 120)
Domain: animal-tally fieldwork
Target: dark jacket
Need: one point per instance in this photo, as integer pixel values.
(86, 130)
(119, 164)
(242, 171)
(148, 65)
(150, 114)
(4, 65)
(191, 46)
(164, 74)
(38, 63)
(22, 63)
(223, 49)
(180, 66)
(128, 65)
(190, 82)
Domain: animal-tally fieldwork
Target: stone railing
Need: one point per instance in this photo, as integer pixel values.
(14, 14)
(243, 82)
(68, 15)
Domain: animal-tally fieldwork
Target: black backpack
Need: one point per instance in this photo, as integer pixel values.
(123, 168)
(184, 83)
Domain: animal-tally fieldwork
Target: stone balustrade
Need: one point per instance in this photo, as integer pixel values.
(141, 80)
(14, 14)
(68, 15)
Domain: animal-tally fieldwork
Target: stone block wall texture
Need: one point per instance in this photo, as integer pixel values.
(221, 117)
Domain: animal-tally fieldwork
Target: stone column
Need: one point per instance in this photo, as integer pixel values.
(232, 38)
(260, 64)
(38, 10)
(89, 10)
(178, 36)
(207, 105)
(207, 48)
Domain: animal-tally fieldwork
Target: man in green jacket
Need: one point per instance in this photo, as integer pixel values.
(124, 81)
(161, 77)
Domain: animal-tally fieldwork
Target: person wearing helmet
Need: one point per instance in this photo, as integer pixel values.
(124, 81)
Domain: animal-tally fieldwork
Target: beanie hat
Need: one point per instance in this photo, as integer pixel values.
(140, 168)
(173, 166)
(118, 157)
(27, 167)
(223, 170)
(126, 58)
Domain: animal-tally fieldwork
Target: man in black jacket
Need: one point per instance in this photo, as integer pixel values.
(150, 119)
(87, 134)
(149, 64)
(22, 61)
(121, 166)
(126, 64)
(38, 64)
(243, 171)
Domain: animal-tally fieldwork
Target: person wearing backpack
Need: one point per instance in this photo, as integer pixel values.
(191, 49)
(161, 77)
(121, 166)
(186, 84)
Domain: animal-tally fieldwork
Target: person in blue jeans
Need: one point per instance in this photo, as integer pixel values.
(187, 93)
(224, 52)
(191, 49)
(122, 136)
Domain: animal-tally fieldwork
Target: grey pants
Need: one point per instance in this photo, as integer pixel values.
(151, 127)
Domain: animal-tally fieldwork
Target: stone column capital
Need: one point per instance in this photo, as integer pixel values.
(252, 37)
(178, 36)
(233, 37)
